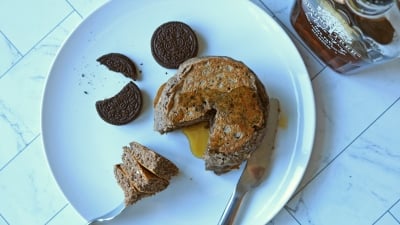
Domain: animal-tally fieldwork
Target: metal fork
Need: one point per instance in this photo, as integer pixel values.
(110, 215)
(251, 177)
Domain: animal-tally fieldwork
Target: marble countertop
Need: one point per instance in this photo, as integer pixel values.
(353, 176)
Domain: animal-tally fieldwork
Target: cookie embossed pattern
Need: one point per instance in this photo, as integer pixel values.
(172, 43)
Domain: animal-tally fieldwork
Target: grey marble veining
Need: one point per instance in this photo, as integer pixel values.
(29, 195)
(361, 184)
(26, 22)
(9, 55)
(15, 135)
(21, 91)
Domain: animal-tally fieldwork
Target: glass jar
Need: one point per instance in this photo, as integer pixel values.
(349, 34)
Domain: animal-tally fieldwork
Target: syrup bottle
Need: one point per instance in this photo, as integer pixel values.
(349, 34)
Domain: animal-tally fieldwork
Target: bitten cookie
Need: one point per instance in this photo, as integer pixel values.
(123, 107)
(119, 63)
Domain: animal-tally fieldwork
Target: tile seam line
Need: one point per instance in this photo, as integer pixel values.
(50, 31)
(12, 66)
(397, 202)
(4, 219)
(345, 148)
(298, 38)
(74, 8)
(18, 153)
(284, 27)
(293, 217)
(394, 217)
(379, 218)
(18, 51)
(37, 43)
(56, 214)
(12, 43)
(266, 7)
(324, 67)
(391, 207)
(387, 212)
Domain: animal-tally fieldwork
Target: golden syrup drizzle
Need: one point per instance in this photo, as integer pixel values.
(197, 135)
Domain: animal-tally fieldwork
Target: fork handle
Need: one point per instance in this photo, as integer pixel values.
(231, 210)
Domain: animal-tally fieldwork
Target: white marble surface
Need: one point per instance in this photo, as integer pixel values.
(353, 176)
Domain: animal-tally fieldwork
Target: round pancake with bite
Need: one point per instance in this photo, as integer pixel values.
(224, 92)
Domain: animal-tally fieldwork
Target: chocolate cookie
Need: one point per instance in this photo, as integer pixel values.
(172, 43)
(119, 63)
(123, 107)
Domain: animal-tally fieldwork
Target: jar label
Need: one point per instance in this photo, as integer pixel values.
(331, 29)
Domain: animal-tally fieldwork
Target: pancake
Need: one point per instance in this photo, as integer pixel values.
(224, 92)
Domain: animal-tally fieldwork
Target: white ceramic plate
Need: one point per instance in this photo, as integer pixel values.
(82, 149)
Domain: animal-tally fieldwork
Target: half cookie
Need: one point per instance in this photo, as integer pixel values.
(123, 107)
(118, 62)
